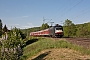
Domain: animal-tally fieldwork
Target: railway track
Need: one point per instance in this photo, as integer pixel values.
(84, 42)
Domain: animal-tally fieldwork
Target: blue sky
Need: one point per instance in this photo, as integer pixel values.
(30, 13)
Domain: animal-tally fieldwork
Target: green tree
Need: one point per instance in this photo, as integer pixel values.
(13, 45)
(44, 26)
(73, 30)
(88, 29)
(69, 28)
(18, 31)
(80, 30)
(83, 30)
(5, 29)
(0, 27)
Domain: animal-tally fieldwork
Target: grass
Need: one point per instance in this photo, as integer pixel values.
(47, 43)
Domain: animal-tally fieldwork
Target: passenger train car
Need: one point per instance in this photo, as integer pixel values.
(54, 31)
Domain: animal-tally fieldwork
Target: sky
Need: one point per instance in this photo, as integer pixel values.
(31, 13)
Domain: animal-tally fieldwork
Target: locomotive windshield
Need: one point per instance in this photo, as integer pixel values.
(59, 28)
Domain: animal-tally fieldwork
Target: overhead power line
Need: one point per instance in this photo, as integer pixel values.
(72, 7)
(64, 5)
(48, 21)
(81, 14)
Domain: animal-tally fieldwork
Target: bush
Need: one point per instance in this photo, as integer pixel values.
(11, 48)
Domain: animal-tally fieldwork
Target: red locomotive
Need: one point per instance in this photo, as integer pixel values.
(54, 31)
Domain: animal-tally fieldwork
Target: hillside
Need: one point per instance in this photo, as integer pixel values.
(48, 48)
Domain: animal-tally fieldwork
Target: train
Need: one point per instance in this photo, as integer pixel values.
(54, 31)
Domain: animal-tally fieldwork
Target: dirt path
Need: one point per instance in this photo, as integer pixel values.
(85, 42)
(60, 54)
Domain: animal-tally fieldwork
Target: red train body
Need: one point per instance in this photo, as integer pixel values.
(54, 31)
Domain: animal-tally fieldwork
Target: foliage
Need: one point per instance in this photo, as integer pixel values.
(11, 48)
(68, 23)
(5, 29)
(44, 26)
(78, 30)
(83, 30)
(0, 27)
(69, 28)
(18, 31)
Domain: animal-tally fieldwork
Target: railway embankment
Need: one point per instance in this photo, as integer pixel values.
(48, 48)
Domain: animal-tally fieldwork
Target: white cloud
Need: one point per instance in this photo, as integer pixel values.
(13, 25)
(30, 25)
(86, 21)
(22, 17)
(25, 27)
(16, 24)
(19, 17)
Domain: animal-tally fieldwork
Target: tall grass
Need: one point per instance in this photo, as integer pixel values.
(47, 43)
